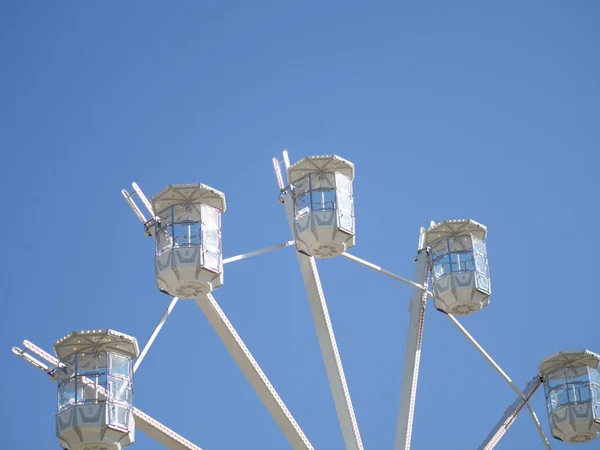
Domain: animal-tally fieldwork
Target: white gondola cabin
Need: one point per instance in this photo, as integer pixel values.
(572, 388)
(95, 390)
(323, 205)
(187, 231)
(460, 272)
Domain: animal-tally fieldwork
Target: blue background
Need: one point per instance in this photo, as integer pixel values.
(487, 110)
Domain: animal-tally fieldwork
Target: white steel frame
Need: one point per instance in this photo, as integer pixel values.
(327, 342)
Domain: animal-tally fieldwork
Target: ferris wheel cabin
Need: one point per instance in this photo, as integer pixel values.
(572, 388)
(187, 232)
(95, 391)
(323, 205)
(461, 278)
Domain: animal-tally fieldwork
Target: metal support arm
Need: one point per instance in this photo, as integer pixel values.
(161, 322)
(466, 334)
(412, 356)
(511, 414)
(253, 372)
(327, 342)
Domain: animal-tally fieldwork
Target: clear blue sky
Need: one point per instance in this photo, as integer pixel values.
(487, 110)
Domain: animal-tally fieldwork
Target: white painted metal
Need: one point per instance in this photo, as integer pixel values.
(511, 414)
(277, 169)
(286, 160)
(256, 252)
(468, 290)
(412, 356)
(134, 207)
(503, 375)
(573, 418)
(143, 422)
(463, 330)
(327, 342)
(366, 263)
(143, 198)
(34, 362)
(250, 368)
(161, 323)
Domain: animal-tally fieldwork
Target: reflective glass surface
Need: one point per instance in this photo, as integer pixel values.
(572, 385)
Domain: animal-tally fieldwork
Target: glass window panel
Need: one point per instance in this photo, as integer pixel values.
(164, 240)
(344, 203)
(481, 265)
(596, 392)
(552, 401)
(597, 411)
(483, 282)
(212, 260)
(323, 200)
(119, 416)
(87, 363)
(120, 365)
(119, 390)
(301, 185)
(343, 183)
(439, 247)
(102, 380)
(303, 205)
(186, 213)
(183, 234)
(479, 246)
(561, 394)
(211, 239)
(346, 222)
(571, 393)
(86, 393)
(66, 394)
(211, 216)
(583, 393)
(594, 375)
(556, 378)
(577, 374)
(438, 270)
(442, 258)
(459, 243)
(65, 372)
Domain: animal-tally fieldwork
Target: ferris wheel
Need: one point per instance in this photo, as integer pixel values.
(94, 369)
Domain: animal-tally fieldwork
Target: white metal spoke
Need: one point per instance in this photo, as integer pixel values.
(511, 414)
(143, 422)
(143, 198)
(256, 252)
(503, 375)
(379, 269)
(257, 378)
(327, 342)
(464, 331)
(412, 356)
(134, 207)
(161, 322)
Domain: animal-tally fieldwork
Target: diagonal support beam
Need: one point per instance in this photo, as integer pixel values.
(161, 322)
(465, 333)
(143, 422)
(256, 252)
(511, 414)
(253, 372)
(412, 356)
(503, 375)
(327, 342)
